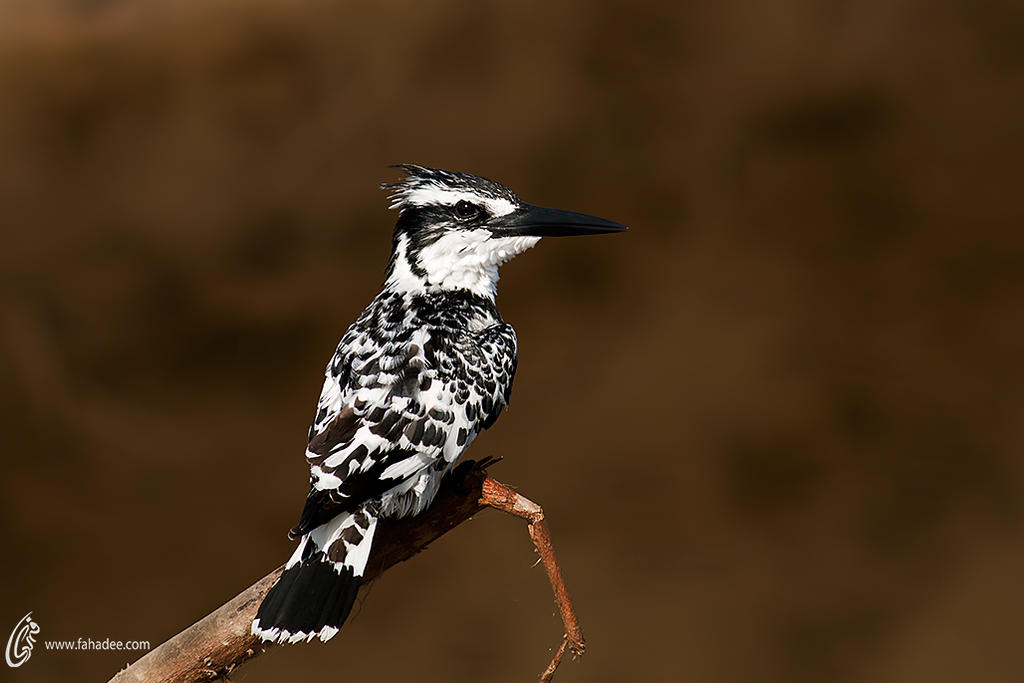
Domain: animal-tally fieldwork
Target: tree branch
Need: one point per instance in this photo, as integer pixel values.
(220, 642)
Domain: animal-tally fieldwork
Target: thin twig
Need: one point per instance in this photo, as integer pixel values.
(501, 497)
(549, 672)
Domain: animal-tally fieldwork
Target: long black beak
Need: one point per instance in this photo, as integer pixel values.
(537, 221)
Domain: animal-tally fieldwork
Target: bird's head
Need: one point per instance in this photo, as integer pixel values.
(455, 229)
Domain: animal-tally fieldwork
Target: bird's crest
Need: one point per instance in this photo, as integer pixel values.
(423, 186)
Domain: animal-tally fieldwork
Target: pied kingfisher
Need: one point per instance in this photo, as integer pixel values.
(424, 369)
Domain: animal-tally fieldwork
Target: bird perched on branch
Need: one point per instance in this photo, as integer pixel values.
(424, 369)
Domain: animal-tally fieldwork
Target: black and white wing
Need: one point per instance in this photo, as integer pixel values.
(393, 417)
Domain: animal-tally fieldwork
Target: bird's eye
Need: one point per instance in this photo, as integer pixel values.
(465, 211)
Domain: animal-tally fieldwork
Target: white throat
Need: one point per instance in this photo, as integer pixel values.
(460, 259)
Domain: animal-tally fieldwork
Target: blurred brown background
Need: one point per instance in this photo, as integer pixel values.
(777, 426)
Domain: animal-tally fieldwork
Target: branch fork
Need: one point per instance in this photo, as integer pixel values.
(220, 642)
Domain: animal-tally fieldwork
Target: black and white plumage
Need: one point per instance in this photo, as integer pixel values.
(425, 368)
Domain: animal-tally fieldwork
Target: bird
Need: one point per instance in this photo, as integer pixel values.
(425, 368)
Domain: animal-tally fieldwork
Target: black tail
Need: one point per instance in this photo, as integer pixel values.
(311, 599)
